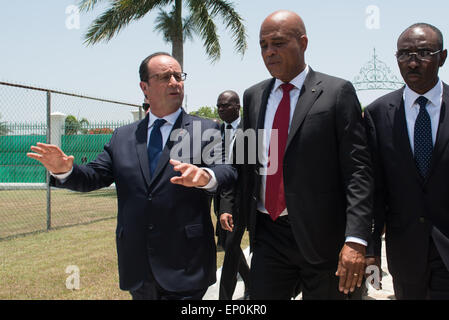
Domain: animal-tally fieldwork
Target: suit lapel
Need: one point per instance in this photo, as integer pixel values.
(259, 112)
(310, 91)
(142, 149)
(443, 130)
(401, 139)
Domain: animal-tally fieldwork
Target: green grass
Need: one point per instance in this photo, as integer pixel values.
(25, 211)
(33, 266)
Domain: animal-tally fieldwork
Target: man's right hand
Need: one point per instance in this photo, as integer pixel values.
(226, 221)
(51, 157)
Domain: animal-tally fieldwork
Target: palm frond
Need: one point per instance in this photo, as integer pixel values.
(233, 22)
(206, 28)
(118, 16)
(165, 23)
(87, 5)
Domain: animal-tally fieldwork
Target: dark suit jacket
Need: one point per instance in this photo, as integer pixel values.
(160, 224)
(327, 166)
(411, 209)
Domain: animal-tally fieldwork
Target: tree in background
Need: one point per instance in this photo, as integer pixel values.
(207, 112)
(75, 126)
(4, 130)
(174, 27)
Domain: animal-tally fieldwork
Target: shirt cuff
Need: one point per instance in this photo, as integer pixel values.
(356, 240)
(63, 176)
(212, 185)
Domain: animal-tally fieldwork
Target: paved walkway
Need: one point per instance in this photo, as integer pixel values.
(386, 293)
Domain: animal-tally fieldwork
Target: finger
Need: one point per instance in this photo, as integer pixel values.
(180, 167)
(231, 222)
(361, 276)
(38, 150)
(174, 162)
(187, 172)
(34, 156)
(341, 272)
(197, 176)
(349, 281)
(177, 180)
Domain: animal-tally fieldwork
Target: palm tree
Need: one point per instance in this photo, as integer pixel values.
(4, 130)
(175, 29)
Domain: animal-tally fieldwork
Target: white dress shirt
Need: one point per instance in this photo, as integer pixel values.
(435, 97)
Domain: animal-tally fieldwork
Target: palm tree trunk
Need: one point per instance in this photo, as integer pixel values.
(177, 41)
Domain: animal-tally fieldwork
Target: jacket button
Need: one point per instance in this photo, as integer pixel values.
(151, 227)
(150, 197)
(422, 219)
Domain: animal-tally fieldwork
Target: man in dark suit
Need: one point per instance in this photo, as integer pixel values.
(311, 217)
(408, 131)
(230, 232)
(165, 238)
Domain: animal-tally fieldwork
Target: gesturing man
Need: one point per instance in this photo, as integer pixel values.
(165, 238)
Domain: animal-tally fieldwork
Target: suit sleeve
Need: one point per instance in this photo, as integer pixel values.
(355, 163)
(225, 174)
(379, 209)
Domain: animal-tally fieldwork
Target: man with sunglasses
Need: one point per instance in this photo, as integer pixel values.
(408, 132)
(164, 236)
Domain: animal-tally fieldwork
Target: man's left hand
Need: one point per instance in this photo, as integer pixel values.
(191, 175)
(351, 266)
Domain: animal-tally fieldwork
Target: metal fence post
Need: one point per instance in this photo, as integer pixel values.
(48, 173)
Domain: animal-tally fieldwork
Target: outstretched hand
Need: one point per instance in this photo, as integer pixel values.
(51, 157)
(191, 175)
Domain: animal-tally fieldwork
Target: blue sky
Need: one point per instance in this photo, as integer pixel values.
(38, 49)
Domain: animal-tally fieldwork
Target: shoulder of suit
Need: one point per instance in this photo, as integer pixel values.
(204, 121)
(325, 78)
(131, 126)
(385, 100)
(260, 86)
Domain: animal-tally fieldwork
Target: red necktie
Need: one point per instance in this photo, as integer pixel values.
(274, 191)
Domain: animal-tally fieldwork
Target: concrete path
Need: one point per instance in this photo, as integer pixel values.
(386, 293)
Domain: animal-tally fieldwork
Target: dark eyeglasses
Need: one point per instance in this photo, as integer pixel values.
(422, 55)
(165, 77)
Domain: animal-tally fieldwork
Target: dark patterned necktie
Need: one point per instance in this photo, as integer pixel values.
(423, 139)
(155, 144)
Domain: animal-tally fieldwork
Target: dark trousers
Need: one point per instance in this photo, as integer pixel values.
(278, 269)
(151, 290)
(434, 285)
(234, 261)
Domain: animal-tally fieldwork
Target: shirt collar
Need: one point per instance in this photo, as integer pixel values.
(171, 118)
(297, 81)
(234, 123)
(434, 95)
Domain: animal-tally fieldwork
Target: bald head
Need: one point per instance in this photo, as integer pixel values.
(228, 105)
(287, 20)
(283, 42)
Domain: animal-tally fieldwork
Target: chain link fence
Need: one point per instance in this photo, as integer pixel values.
(81, 126)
